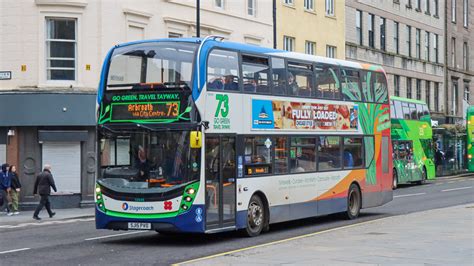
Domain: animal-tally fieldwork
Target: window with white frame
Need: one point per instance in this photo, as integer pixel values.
(465, 13)
(435, 48)
(453, 11)
(288, 43)
(330, 7)
(252, 7)
(310, 47)
(309, 4)
(289, 2)
(371, 33)
(396, 37)
(436, 8)
(330, 51)
(453, 52)
(61, 54)
(219, 3)
(175, 35)
(418, 43)
(427, 6)
(359, 27)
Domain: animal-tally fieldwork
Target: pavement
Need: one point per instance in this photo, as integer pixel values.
(439, 237)
(61, 214)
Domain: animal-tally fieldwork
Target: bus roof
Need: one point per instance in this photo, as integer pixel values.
(407, 100)
(247, 48)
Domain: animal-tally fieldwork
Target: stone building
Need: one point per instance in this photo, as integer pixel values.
(51, 53)
(459, 81)
(311, 27)
(406, 37)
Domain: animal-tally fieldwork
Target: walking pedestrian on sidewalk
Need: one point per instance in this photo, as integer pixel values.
(44, 183)
(5, 187)
(15, 190)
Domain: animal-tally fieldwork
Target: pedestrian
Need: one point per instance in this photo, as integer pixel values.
(15, 190)
(5, 187)
(43, 184)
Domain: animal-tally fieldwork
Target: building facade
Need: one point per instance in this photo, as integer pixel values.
(406, 37)
(51, 52)
(311, 26)
(459, 59)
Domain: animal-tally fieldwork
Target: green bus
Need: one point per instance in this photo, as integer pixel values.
(412, 142)
(470, 138)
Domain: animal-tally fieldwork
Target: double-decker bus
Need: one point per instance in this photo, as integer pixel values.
(205, 135)
(412, 139)
(470, 138)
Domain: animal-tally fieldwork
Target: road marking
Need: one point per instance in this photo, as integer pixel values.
(278, 241)
(13, 250)
(450, 182)
(47, 223)
(124, 234)
(409, 195)
(439, 184)
(454, 189)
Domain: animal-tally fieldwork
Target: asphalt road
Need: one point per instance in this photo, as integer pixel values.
(78, 242)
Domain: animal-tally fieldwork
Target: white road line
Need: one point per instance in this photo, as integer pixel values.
(124, 234)
(13, 250)
(454, 189)
(450, 182)
(409, 195)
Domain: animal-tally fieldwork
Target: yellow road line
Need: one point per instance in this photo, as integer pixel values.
(277, 242)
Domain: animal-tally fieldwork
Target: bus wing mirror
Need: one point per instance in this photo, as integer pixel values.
(195, 139)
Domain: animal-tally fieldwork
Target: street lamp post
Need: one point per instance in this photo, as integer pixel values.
(198, 19)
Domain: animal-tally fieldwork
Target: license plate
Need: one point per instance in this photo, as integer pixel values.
(139, 226)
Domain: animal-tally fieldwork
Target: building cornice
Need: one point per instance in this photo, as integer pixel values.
(193, 24)
(69, 3)
(139, 13)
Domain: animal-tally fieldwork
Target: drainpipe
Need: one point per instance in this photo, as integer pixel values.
(274, 25)
(198, 18)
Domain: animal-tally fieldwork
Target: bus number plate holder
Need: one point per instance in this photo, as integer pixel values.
(139, 226)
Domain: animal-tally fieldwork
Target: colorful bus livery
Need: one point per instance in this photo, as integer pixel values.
(208, 136)
(413, 151)
(470, 138)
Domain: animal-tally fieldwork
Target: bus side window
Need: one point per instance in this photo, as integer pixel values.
(255, 73)
(223, 70)
(350, 85)
(366, 84)
(380, 87)
(300, 79)
(327, 82)
(398, 110)
(278, 76)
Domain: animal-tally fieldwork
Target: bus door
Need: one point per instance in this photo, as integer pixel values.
(411, 163)
(220, 181)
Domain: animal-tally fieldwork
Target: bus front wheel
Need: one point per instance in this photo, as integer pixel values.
(255, 217)
(354, 202)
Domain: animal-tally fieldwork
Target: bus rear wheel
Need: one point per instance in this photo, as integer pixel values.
(354, 202)
(423, 176)
(255, 217)
(395, 179)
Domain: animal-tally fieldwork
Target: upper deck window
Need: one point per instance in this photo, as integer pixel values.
(255, 73)
(162, 65)
(223, 70)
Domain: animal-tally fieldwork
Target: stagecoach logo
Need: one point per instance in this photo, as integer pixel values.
(221, 121)
(263, 114)
(127, 207)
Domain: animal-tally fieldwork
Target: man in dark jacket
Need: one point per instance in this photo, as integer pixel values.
(5, 186)
(44, 183)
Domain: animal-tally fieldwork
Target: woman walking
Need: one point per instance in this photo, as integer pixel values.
(15, 190)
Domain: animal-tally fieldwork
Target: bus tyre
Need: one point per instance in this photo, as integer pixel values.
(255, 217)
(395, 179)
(423, 176)
(354, 202)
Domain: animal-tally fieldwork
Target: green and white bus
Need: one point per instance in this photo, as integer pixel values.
(470, 138)
(412, 141)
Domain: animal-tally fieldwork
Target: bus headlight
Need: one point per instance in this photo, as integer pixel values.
(188, 199)
(469, 156)
(191, 191)
(97, 189)
(184, 207)
(99, 197)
